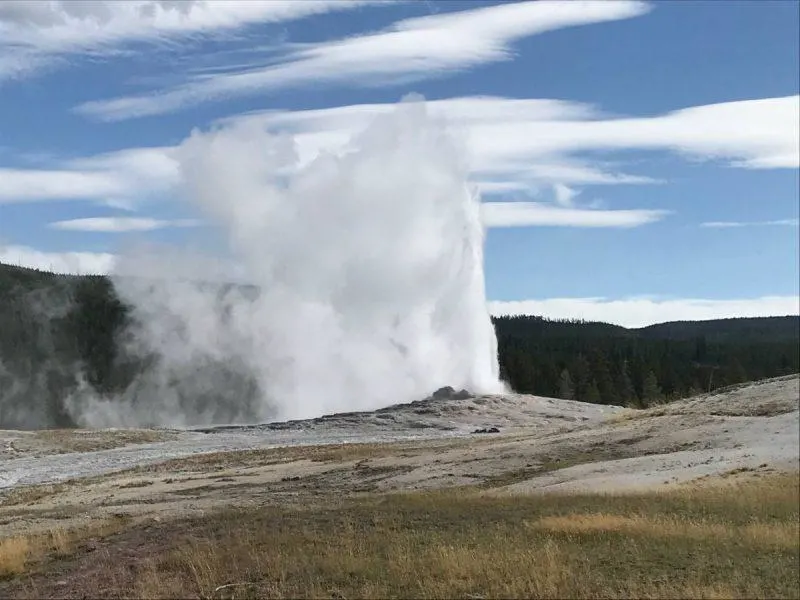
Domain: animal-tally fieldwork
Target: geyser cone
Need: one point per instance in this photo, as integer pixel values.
(368, 266)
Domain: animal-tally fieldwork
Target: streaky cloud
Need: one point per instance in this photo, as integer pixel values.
(411, 49)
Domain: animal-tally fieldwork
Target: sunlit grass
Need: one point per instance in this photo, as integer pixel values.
(699, 542)
(20, 552)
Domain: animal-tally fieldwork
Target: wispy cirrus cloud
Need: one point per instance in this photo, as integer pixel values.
(121, 224)
(35, 34)
(517, 149)
(640, 312)
(543, 139)
(30, 185)
(737, 224)
(125, 176)
(494, 214)
(415, 48)
(538, 214)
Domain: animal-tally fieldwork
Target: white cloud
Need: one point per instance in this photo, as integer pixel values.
(413, 48)
(526, 214)
(503, 187)
(34, 33)
(114, 178)
(736, 224)
(640, 312)
(81, 263)
(494, 214)
(536, 140)
(23, 185)
(564, 194)
(514, 146)
(765, 129)
(120, 224)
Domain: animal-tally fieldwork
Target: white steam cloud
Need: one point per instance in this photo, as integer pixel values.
(367, 281)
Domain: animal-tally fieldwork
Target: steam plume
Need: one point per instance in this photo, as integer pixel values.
(366, 281)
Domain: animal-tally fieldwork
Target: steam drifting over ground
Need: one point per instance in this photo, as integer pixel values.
(367, 282)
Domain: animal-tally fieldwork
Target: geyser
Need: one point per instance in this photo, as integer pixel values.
(365, 281)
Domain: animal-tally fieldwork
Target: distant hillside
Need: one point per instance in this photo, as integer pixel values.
(739, 330)
(598, 362)
(58, 332)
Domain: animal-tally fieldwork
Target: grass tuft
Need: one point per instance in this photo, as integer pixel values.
(20, 552)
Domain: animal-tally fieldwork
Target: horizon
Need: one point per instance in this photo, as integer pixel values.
(548, 318)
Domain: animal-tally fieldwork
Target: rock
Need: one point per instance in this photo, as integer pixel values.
(448, 393)
(487, 430)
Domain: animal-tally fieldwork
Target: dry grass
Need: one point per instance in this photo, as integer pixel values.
(30, 493)
(217, 461)
(624, 416)
(767, 535)
(731, 539)
(18, 553)
(565, 460)
(64, 441)
(14, 553)
(633, 414)
(356, 566)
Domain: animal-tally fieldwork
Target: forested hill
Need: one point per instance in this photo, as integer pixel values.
(758, 329)
(598, 362)
(50, 323)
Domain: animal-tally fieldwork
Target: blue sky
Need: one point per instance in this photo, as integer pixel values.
(638, 161)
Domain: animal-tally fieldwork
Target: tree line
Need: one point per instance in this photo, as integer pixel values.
(53, 326)
(601, 363)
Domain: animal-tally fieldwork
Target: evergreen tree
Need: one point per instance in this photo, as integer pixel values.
(593, 393)
(700, 349)
(581, 376)
(566, 390)
(97, 319)
(651, 392)
(736, 372)
(627, 393)
(605, 382)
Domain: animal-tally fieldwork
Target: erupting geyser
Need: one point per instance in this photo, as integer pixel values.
(366, 281)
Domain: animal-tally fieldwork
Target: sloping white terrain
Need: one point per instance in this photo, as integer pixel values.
(606, 448)
(31, 458)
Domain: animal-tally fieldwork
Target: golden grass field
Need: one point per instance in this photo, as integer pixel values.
(724, 538)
